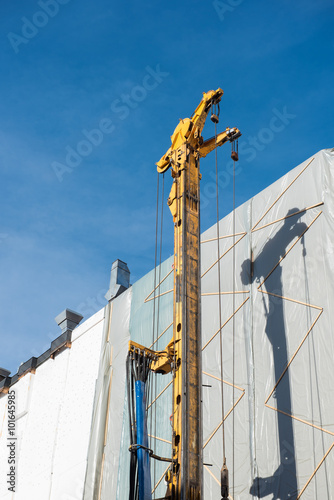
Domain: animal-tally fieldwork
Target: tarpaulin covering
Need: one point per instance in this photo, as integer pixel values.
(106, 440)
(278, 346)
(159, 412)
(54, 406)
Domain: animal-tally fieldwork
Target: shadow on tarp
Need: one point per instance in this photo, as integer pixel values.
(283, 483)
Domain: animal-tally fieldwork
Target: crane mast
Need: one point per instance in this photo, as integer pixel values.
(186, 472)
(182, 356)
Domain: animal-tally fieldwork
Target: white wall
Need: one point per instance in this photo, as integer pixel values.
(54, 412)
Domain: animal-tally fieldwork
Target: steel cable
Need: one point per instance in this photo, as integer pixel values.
(219, 298)
(233, 323)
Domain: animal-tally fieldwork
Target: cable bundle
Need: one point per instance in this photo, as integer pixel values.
(138, 370)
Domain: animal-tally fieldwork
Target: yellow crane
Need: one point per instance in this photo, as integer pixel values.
(182, 356)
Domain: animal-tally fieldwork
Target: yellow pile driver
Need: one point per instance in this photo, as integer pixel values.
(182, 356)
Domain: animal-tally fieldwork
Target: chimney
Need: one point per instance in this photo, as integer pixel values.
(119, 279)
(68, 320)
(4, 374)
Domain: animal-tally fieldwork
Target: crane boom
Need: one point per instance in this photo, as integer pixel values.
(184, 202)
(183, 356)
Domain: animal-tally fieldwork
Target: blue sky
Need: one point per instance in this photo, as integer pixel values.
(131, 70)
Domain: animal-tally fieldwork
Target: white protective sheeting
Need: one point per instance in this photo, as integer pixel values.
(108, 467)
(107, 422)
(278, 351)
(281, 428)
(141, 329)
(278, 346)
(54, 411)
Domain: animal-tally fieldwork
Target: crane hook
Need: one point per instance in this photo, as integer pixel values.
(215, 115)
(235, 151)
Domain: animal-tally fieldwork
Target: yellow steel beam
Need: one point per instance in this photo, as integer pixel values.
(183, 354)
